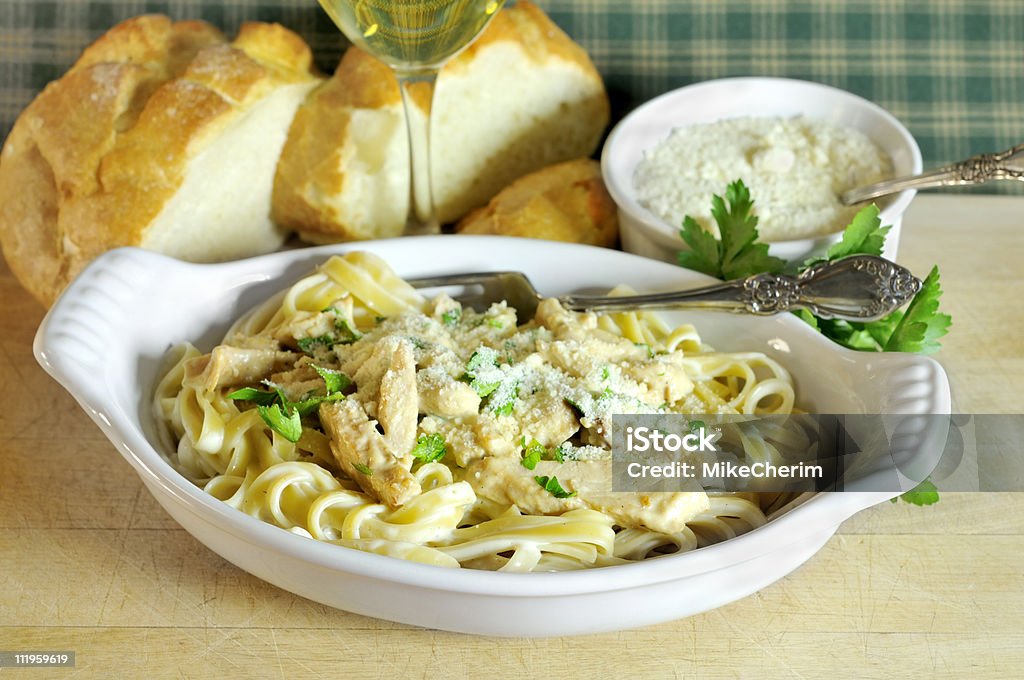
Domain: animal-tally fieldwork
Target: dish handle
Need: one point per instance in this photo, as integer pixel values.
(78, 336)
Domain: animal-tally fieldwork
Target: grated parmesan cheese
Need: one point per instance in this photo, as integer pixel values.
(795, 168)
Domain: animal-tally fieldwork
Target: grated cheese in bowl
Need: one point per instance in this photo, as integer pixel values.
(795, 167)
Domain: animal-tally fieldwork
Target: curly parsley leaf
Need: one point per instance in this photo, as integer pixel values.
(286, 422)
(924, 493)
(922, 325)
(551, 485)
(430, 448)
(737, 254)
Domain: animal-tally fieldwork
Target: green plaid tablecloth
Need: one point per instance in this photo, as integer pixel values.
(952, 70)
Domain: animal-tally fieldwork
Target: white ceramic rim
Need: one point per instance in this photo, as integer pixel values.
(56, 341)
(619, 178)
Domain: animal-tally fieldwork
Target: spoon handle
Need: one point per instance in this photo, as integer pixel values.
(978, 169)
(856, 288)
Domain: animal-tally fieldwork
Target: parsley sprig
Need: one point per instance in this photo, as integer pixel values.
(737, 254)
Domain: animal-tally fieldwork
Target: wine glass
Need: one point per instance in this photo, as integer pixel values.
(415, 38)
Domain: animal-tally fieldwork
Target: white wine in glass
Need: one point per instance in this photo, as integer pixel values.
(415, 38)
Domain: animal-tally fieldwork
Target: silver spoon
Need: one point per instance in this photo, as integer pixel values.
(978, 169)
(856, 288)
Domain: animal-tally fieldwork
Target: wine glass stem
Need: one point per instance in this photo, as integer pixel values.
(417, 100)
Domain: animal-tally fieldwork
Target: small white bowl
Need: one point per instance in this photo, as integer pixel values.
(106, 337)
(646, 234)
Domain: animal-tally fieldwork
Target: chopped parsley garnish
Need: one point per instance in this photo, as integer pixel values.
(346, 333)
(503, 401)
(488, 380)
(417, 343)
(452, 317)
(334, 380)
(287, 424)
(261, 397)
(482, 359)
(495, 322)
(285, 416)
(310, 404)
(310, 345)
(605, 373)
(737, 255)
(650, 352)
(532, 454)
(364, 469)
(430, 448)
(697, 425)
(482, 388)
(551, 485)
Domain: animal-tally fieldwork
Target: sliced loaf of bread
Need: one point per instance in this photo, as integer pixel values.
(523, 96)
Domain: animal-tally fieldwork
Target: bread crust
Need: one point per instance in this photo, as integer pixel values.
(93, 159)
(563, 202)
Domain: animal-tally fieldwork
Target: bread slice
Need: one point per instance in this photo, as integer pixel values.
(162, 135)
(521, 97)
(343, 172)
(563, 202)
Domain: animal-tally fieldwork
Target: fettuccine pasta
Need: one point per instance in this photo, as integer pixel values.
(350, 409)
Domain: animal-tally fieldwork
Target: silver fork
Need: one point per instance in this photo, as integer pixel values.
(855, 288)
